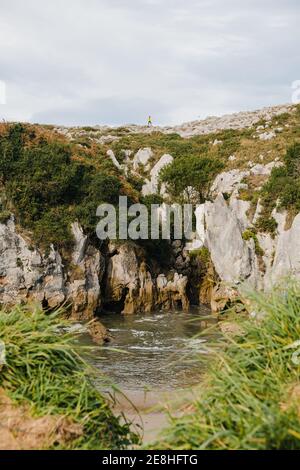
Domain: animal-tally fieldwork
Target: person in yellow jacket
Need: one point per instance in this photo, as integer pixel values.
(149, 121)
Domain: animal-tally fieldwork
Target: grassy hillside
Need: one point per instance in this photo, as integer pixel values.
(244, 144)
(50, 181)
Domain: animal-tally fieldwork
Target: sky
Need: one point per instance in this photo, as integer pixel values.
(87, 62)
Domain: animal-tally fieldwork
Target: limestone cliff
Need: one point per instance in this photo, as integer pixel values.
(130, 160)
(237, 260)
(27, 274)
(130, 279)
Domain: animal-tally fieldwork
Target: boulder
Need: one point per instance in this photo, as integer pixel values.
(228, 181)
(142, 157)
(26, 273)
(231, 257)
(152, 186)
(111, 155)
(98, 332)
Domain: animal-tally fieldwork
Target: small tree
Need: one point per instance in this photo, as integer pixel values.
(193, 171)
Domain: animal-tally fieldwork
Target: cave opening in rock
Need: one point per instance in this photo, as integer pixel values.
(193, 291)
(115, 306)
(45, 304)
(178, 304)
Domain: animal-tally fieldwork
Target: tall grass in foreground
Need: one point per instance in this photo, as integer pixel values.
(43, 369)
(251, 398)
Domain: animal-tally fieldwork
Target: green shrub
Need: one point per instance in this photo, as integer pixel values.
(268, 225)
(4, 216)
(202, 254)
(251, 235)
(136, 182)
(151, 199)
(283, 186)
(193, 171)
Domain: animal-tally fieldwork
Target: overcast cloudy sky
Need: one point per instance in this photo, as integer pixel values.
(116, 61)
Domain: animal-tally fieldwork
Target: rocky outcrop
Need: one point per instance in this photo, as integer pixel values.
(27, 274)
(171, 293)
(232, 181)
(256, 262)
(131, 286)
(152, 186)
(115, 162)
(84, 277)
(142, 158)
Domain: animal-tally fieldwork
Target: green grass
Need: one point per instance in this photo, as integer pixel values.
(251, 235)
(45, 370)
(248, 400)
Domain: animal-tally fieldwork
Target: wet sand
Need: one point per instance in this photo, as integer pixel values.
(148, 411)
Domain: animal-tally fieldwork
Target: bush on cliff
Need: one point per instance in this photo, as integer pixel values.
(283, 187)
(44, 372)
(191, 171)
(251, 398)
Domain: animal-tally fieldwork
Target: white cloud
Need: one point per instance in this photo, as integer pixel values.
(116, 61)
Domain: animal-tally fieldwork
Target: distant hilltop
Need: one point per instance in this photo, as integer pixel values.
(211, 124)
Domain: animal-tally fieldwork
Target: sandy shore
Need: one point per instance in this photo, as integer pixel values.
(148, 410)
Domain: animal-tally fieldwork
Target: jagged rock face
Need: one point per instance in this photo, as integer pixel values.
(287, 254)
(236, 261)
(28, 275)
(121, 273)
(129, 278)
(25, 273)
(83, 285)
(232, 258)
(152, 186)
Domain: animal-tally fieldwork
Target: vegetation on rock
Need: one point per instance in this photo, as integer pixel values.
(282, 190)
(49, 185)
(251, 235)
(196, 172)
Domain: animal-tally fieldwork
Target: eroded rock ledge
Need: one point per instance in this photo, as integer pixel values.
(130, 279)
(30, 275)
(259, 261)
